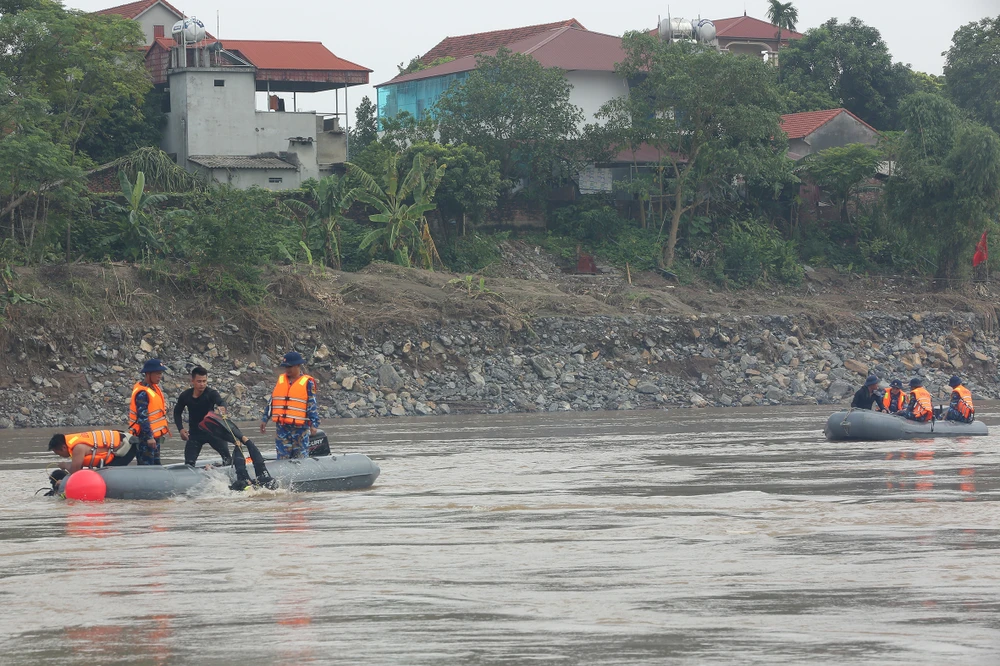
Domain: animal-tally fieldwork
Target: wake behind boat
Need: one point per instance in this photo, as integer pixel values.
(866, 425)
(348, 471)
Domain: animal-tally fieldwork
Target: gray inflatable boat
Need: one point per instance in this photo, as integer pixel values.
(860, 424)
(349, 471)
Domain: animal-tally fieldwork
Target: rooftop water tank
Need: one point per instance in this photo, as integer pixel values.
(704, 31)
(189, 31)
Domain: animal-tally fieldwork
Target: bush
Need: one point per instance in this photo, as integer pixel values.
(473, 253)
(589, 220)
(754, 252)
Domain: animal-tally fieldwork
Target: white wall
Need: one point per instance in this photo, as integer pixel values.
(157, 15)
(206, 119)
(245, 178)
(274, 128)
(591, 90)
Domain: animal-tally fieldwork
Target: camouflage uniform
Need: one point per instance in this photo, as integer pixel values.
(146, 454)
(291, 441)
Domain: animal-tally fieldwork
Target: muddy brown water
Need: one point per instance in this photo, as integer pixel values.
(724, 537)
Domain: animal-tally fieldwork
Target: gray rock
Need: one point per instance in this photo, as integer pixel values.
(726, 400)
(838, 389)
(543, 367)
(398, 411)
(748, 400)
(477, 379)
(774, 394)
(388, 348)
(389, 378)
(444, 408)
(348, 382)
(648, 388)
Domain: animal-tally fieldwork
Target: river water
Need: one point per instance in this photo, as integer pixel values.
(713, 536)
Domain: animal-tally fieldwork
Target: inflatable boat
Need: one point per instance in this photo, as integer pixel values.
(860, 424)
(349, 471)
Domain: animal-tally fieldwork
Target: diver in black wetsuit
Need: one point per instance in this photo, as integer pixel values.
(221, 429)
(868, 395)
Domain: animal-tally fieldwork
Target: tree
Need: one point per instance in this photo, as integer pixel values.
(713, 117)
(972, 70)
(839, 171)
(401, 202)
(334, 197)
(365, 130)
(470, 186)
(850, 64)
(782, 15)
(946, 187)
(517, 112)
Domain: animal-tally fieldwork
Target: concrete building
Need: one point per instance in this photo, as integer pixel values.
(750, 36)
(813, 131)
(587, 57)
(212, 88)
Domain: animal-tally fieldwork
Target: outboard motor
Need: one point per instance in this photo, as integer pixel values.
(319, 445)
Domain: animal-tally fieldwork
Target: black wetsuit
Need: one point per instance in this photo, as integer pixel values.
(864, 400)
(197, 437)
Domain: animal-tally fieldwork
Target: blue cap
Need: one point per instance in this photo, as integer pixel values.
(871, 381)
(955, 381)
(896, 384)
(153, 365)
(290, 359)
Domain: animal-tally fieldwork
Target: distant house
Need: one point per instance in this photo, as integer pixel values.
(213, 125)
(750, 36)
(588, 58)
(812, 131)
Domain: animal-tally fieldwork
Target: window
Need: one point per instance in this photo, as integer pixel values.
(274, 179)
(219, 83)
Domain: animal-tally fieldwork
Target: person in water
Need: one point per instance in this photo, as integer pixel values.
(293, 408)
(920, 406)
(97, 448)
(199, 400)
(868, 395)
(220, 428)
(894, 400)
(960, 408)
(147, 413)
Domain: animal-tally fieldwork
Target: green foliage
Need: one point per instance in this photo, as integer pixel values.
(783, 15)
(713, 118)
(849, 64)
(972, 70)
(401, 202)
(588, 221)
(471, 184)
(473, 252)
(517, 112)
(131, 125)
(418, 65)
(946, 187)
(334, 196)
(839, 171)
(365, 130)
(754, 252)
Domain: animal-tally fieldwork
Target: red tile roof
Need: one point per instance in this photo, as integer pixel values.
(801, 125)
(748, 27)
(567, 48)
(268, 54)
(134, 9)
(480, 42)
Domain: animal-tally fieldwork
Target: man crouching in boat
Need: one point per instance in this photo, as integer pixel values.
(920, 406)
(960, 408)
(868, 395)
(97, 448)
(894, 400)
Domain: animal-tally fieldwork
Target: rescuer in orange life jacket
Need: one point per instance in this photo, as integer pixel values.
(960, 408)
(97, 448)
(894, 399)
(920, 406)
(147, 413)
(293, 407)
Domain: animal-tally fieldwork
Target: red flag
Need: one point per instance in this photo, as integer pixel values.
(980, 256)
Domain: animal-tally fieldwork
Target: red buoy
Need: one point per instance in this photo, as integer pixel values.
(86, 486)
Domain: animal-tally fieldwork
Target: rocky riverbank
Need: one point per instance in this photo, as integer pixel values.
(562, 363)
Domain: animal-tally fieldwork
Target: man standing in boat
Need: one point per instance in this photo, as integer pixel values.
(868, 395)
(960, 408)
(199, 400)
(921, 405)
(293, 408)
(147, 413)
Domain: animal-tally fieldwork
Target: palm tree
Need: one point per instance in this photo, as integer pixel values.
(782, 15)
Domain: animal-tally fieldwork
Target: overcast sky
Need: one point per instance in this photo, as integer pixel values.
(380, 35)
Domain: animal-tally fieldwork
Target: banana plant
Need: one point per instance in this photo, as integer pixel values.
(402, 202)
(142, 234)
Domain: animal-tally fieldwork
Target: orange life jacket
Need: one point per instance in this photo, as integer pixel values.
(290, 400)
(157, 410)
(921, 404)
(892, 404)
(964, 405)
(103, 443)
